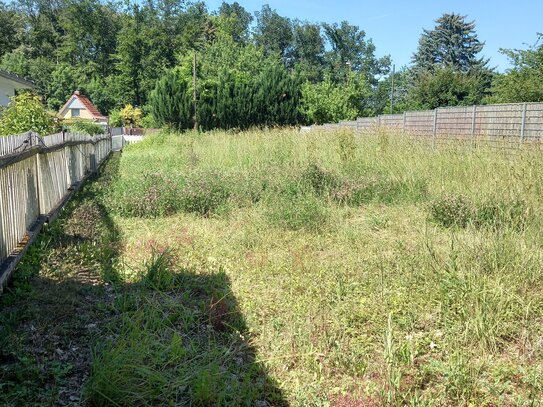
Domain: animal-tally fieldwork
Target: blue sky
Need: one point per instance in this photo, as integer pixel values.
(395, 26)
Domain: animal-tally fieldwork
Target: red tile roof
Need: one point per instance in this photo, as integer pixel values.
(87, 103)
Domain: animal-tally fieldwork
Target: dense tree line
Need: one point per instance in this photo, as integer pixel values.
(251, 69)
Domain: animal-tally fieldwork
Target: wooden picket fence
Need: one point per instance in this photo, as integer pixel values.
(506, 125)
(37, 176)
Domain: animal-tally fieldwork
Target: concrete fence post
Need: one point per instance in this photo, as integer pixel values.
(473, 117)
(434, 129)
(523, 123)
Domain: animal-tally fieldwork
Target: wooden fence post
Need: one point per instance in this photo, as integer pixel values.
(31, 142)
(403, 130)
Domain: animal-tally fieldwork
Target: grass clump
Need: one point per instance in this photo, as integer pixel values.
(320, 180)
(157, 271)
(205, 192)
(460, 211)
(375, 188)
(452, 210)
(497, 214)
(148, 194)
(299, 211)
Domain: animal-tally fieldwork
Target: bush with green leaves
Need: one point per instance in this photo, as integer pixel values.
(83, 126)
(26, 112)
(329, 102)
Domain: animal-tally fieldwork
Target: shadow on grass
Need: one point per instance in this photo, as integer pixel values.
(178, 339)
(72, 332)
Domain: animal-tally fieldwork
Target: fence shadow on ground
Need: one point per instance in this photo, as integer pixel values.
(72, 332)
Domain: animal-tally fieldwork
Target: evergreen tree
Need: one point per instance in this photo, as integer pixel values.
(171, 103)
(447, 70)
(452, 43)
(276, 97)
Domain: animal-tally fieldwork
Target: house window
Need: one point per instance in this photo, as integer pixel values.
(76, 112)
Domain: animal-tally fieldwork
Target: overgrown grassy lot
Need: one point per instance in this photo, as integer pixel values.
(275, 268)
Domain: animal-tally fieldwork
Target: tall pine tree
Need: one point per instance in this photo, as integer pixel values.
(453, 43)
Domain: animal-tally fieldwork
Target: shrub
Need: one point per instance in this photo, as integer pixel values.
(131, 116)
(115, 119)
(26, 112)
(92, 129)
(452, 210)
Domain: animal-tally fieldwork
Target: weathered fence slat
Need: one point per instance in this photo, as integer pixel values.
(37, 174)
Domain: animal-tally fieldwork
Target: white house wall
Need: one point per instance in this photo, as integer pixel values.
(7, 90)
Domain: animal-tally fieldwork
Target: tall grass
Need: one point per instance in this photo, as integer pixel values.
(370, 270)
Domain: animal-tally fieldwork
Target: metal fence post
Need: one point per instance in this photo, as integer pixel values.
(434, 129)
(523, 124)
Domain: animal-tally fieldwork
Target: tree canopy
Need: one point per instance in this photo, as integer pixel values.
(138, 52)
(523, 82)
(453, 43)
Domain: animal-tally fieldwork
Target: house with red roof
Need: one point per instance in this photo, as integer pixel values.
(79, 107)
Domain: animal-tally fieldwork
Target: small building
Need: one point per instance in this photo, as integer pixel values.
(10, 84)
(79, 107)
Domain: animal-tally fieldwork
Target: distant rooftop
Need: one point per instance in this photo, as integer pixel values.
(86, 102)
(16, 78)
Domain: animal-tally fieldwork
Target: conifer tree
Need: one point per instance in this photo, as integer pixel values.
(453, 43)
(171, 103)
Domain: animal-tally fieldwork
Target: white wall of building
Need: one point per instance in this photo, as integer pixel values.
(7, 89)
